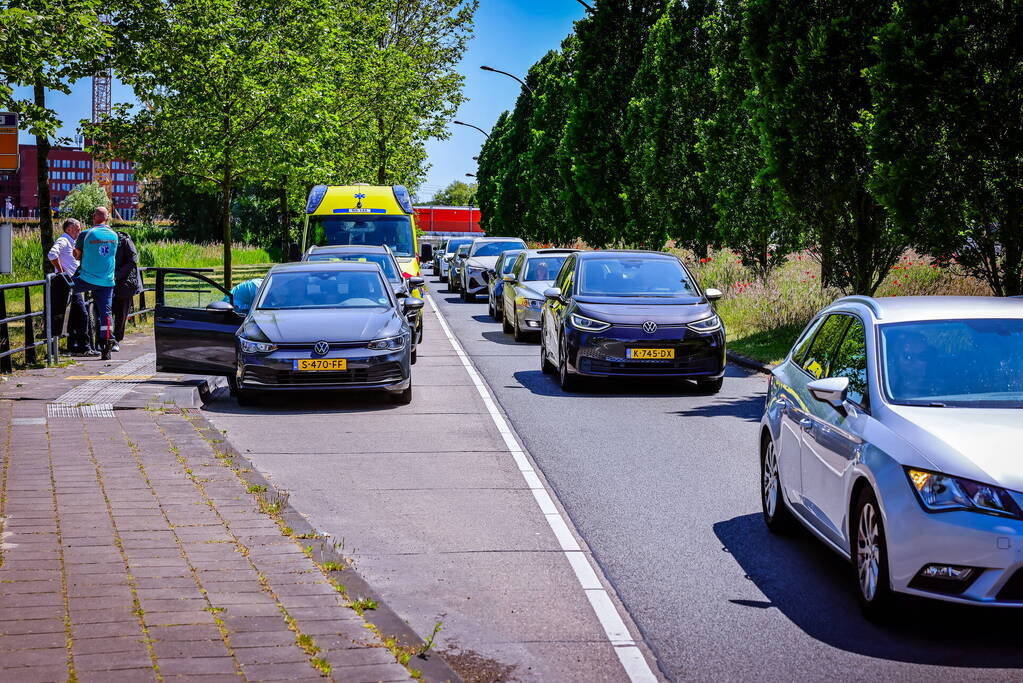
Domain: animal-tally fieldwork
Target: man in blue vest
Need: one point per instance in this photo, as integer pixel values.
(96, 248)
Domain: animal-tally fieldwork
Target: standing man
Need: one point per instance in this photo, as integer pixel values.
(62, 256)
(127, 284)
(96, 248)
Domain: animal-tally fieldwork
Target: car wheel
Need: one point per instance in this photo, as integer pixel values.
(468, 296)
(419, 340)
(247, 397)
(442, 277)
(412, 356)
(505, 325)
(710, 386)
(568, 380)
(517, 332)
(870, 559)
(490, 308)
(777, 516)
(403, 398)
(546, 367)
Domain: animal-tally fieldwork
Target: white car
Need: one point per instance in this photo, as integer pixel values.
(892, 431)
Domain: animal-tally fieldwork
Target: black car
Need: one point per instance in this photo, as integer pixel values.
(630, 314)
(312, 326)
(404, 285)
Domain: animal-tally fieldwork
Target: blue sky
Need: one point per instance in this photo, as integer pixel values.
(510, 35)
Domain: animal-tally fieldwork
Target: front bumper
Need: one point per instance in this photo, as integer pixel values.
(528, 318)
(367, 370)
(604, 354)
(474, 282)
(916, 538)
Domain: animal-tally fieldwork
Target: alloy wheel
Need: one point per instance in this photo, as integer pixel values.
(770, 483)
(868, 552)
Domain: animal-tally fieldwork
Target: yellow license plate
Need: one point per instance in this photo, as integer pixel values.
(651, 354)
(320, 364)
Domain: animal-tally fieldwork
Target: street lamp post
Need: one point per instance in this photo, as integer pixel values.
(470, 175)
(588, 8)
(469, 125)
(498, 71)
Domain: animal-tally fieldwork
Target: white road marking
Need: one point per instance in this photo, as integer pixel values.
(635, 664)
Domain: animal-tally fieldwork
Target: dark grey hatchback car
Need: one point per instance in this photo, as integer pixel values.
(312, 326)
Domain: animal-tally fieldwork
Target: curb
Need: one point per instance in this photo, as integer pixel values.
(387, 621)
(747, 362)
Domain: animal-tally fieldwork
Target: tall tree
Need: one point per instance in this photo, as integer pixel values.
(807, 59)
(47, 46)
(457, 193)
(671, 94)
(947, 132)
(610, 48)
(734, 175)
(492, 175)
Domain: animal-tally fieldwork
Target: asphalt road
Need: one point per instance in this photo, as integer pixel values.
(662, 483)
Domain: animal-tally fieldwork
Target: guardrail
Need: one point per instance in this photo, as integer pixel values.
(50, 337)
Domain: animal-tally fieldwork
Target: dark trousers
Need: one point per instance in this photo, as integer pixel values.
(103, 298)
(78, 318)
(122, 307)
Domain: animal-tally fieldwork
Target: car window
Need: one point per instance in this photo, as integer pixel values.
(494, 248)
(506, 263)
(627, 275)
(324, 289)
(803, 345)
(385, 261)
(851, 361)
(564, 281)
(517, 268)
(540, 268)
(822, 350)
(188, 290)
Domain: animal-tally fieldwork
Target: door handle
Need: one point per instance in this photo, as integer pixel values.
(166, 320)
(806, 424)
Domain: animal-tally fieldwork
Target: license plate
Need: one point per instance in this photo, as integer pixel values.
(320, 364)
(651, 354)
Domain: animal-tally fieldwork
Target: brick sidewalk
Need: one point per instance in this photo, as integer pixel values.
(130, 551)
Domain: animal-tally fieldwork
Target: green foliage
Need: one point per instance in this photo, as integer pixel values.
(455, 194)
(82, 201)
(946, 132)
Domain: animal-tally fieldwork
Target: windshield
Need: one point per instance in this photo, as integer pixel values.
(508, 262)
(463, 249)
(962, 363)
(495, 248)
(392, 231)
(543, 268)
(453, 245)
(635, 276)
(324, 289)
(385, 262)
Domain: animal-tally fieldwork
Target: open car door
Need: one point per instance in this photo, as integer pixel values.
(195, 324)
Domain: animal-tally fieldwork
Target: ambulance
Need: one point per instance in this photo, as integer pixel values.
(380, 215)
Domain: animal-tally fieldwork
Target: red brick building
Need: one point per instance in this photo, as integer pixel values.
(68, 167)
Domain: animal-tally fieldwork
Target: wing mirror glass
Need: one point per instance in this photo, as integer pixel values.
(219, 307)
(830, 390)
(413, 304)
(552, 293)
(712, 294)
(415, 282)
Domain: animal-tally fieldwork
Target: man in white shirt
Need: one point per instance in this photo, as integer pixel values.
(62, 256)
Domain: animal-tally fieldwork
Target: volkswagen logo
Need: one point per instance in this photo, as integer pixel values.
(321, 348)
(649, 327)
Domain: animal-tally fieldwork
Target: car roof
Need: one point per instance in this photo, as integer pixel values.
(625, 252)
(894, 309)
(544, 252)
(364, 248)
(324, 265)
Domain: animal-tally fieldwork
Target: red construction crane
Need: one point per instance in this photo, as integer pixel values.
(101, 173)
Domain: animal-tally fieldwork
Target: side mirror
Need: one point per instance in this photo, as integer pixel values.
(552, 293)
(508, 278)
(413, 304)
(426, 252)
(415, 282)
(219, 307)
(830, 390)
(712, 294)
(294, 252)
(463, 255)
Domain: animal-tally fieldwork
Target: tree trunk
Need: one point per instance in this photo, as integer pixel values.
(382, 150)
(285, 219)
(43, 184)
(225, 220)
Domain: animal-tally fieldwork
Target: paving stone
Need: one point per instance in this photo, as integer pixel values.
(197, 665)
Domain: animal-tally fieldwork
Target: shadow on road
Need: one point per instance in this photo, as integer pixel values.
(304, 404)
(485, 318)
(544, 385)
(813, 588)
(749, 408)
(499, 337)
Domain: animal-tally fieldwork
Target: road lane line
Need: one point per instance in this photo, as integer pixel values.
(629, 655)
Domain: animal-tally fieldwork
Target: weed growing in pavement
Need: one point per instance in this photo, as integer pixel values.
(305, 642)
(363, 604)
(256, 488)
(428, 643)
(321, 664)
(286, 530)
(332, 566)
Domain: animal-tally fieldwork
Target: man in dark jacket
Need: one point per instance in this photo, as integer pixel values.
(127, 284)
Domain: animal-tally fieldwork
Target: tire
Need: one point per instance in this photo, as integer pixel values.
(546, 367)
(403, 398)
(497, 315)
(517, 333)
(490, 309)
(419, 340)
(505, 325)
(710, 386)
(870, 559)
(442, 277)
(412, 356)
(777, 516)
(247, 397)
(567, 380)
(468, 297)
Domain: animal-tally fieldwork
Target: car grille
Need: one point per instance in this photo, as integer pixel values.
(1012, 591)
(678, 366)
(384, 373)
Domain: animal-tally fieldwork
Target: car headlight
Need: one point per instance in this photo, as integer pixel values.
(388, 344)
(250, 346)
(706, 325)
(581, 322)
(941, 493)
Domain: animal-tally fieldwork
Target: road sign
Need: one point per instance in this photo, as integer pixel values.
(9, 156)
